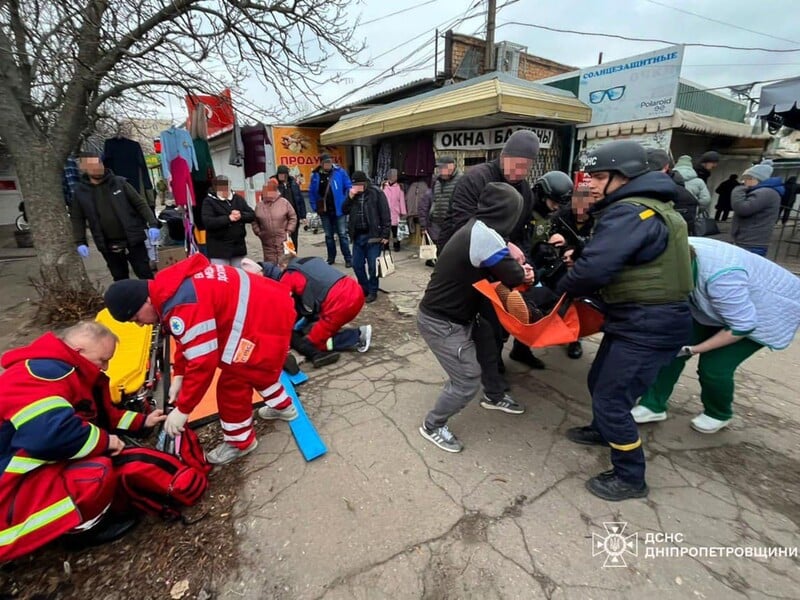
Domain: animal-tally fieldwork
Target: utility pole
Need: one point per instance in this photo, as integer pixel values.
(489, 56)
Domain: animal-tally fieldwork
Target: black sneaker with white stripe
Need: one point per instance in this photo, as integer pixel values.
(507, 405)
(442, 437)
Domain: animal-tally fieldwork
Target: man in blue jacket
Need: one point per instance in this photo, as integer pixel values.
(327, 192)
(638, 260)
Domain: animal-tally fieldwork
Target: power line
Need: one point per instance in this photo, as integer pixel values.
(633, 39)
(704, 17)
(399, 12)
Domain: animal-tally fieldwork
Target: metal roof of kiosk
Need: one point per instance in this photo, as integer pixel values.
(487, 101)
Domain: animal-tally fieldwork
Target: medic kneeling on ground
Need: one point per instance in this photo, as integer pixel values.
(220, 317)
(56, 442)
(326, 298)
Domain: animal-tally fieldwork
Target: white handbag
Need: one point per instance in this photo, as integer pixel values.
(427, 250)
(385, 264)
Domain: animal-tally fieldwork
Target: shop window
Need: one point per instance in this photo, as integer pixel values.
(471, 161)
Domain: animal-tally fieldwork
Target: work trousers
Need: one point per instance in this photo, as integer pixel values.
(622, 371)
(235, 403)
(136, 255)
(715, 370)
(454, 348)
(342, 304)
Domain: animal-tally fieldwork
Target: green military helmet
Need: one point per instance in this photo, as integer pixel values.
(555, 186)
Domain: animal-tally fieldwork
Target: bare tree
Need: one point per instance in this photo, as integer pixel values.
(67, 65)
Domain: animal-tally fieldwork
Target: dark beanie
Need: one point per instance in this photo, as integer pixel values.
(283, 170)
(124, 298)
(359, 177)
(710, 156)
(657, 159)
(522, 144)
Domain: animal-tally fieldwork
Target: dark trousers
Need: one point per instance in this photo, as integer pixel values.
(333, 225)
(722, 214)
(365, 256)
(622, 371)
(294, 235)
(135, 255)
(489, 337)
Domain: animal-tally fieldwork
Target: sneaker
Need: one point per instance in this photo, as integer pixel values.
(586, 436)
(642, 414)
(609, 486)
(365, 338)
(430, 263)
(323, 359)
(507, 405)
(442, 437)
(331, 261)
(371, 298)
(271, 414)
(518, 308)
(502, 293)
(705, 424)
(225, 453)
(348, 264)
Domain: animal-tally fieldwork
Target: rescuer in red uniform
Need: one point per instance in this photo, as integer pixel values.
(220, 317)
(56, 441)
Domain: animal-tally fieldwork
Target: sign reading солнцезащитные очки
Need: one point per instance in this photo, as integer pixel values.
(633, 89)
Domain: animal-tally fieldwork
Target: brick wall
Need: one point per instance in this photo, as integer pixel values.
(531, 67)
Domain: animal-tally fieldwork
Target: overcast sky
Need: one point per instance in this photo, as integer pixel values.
(773, 24)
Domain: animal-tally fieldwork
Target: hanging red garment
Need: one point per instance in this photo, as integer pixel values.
(579, 320)
(181, 182)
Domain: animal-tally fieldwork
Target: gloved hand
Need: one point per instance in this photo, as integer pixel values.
(83, 251)
(154, 233)
(175, 388)
(685, 351)
(176, 420)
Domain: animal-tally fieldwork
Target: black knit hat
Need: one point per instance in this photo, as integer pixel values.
(522, 144)
(283, 170)
(359, 177)
(124, 298)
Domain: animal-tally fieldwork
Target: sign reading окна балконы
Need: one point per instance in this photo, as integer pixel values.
(633, 89)
(486, 139)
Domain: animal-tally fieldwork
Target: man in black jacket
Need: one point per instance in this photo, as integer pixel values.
(224, 216)
(370, 224)
(449, 309)
(119, 219)
(287, 186)
(513, 167)
(685, 202)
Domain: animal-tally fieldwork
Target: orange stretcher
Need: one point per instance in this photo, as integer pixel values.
(579, 320)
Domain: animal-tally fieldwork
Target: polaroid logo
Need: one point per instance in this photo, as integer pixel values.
(653, 103)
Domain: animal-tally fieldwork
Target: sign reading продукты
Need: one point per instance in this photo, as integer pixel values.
(486, 139)
(636, 88)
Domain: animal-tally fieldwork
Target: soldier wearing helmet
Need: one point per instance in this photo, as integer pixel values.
(638, 261)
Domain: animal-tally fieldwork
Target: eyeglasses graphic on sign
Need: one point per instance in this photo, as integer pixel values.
(613, 94)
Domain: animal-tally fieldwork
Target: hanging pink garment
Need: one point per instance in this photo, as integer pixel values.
(181, 182)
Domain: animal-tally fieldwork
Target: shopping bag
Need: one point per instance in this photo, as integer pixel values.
(578, 321)
(402, 231)
(385, 264)
(704, 224)
(288, 246)
(427, 250)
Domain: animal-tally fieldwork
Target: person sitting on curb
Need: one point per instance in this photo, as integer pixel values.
(370, 223)
(449, 309)
(325, 298)
(60, 432)
(219, 317)
(741, 303)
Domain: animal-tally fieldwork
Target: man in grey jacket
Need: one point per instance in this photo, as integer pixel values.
(756, 206)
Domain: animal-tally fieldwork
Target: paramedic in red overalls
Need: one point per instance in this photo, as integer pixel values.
(56, 441)
(220, 317)
(327, 298)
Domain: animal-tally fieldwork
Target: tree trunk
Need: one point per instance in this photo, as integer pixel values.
(40, 176)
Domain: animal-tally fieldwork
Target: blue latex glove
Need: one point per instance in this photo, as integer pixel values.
(83, 251)
(154, 233)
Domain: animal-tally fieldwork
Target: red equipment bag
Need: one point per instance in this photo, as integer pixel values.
(160, 483)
